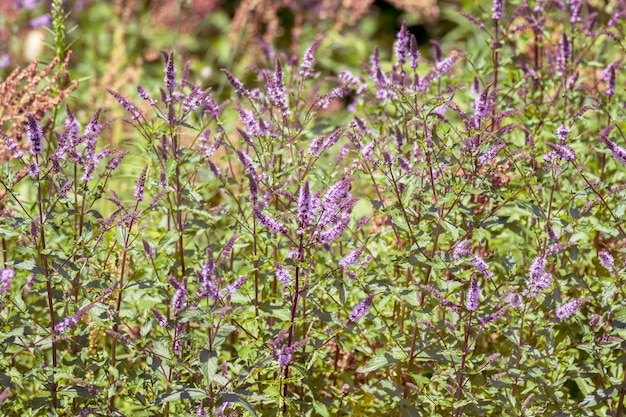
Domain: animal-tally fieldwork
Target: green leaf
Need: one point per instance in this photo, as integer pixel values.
(231, 397)
(320, 408)
(377, 362)
(181, 394)
(208, 365)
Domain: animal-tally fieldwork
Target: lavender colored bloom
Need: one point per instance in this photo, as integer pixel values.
(561, 132)
(473, 294)
(35, 135)
(331, 139)
(475, 89)
(566, 49)
(305, 205)
(358, 84)
(481, 105)
(489, 155)
(570, 308)
(33, 170)
(335, 230)
(462, 249)
(576, 7)
(361, 309)
(127, 105)
(139, 189)
(43, 20)
(560, 151)
(6, 278)
(5, 60)
(404, 163)
(375, 72)
(116, 160)
(276, 89)
(12, 146)
(170, 73)
(606, 259)
(284, 355)
(228, 248)
(610, 86)
(414, 52)
(145, 95)
(515, 300)
(537, 267)
(315, 148)
(335, 194)
(237, 284)
(283, 275)
(402, 45)
(618, 152)
(443, 67)
(538, 278)
(148, 248)
(178, 342)
(72, 321)
(29, 282)
(480, 264)
(26, 4)
(237, 85)
(497, 9)
(247, 163)
(387, 158)
(351, 258)
(179, 300)
(271, 224)
(160, 317)
(306, 68)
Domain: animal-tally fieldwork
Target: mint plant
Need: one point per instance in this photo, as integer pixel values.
(437, 232)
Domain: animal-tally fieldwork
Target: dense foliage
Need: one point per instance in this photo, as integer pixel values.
(436, 231)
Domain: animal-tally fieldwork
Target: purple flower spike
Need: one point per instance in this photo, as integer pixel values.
(361, 309)
(305, 205)
(462, 249)
(306, 68)
(498, 8)
(414, 53)
(237, 85)
(170, 73)
(336, 193)
(35, 135)
(618, 152)
(139, 189)
(271, 224)
(402, 45)
(351, 258)
(473, 295)
(480, 264)
(127, 105)
(72, 321)
(561, 132)
(276, 89)
(43, 20)
(283, 275)
(570, 308)
(606, 259)
(6, 278)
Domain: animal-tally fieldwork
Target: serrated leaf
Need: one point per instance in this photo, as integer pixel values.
(181, 394)
(231, 397)
(208, 365)
(377, 362)
(320, 408)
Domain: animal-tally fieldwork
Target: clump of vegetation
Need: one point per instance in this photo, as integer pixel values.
(434, 232)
